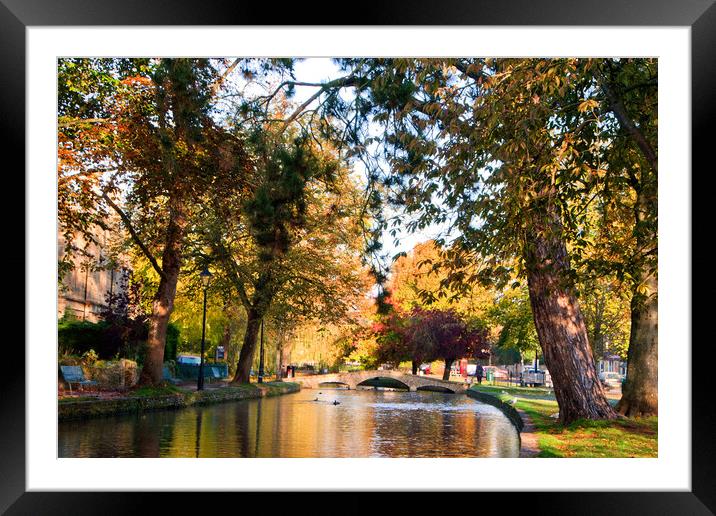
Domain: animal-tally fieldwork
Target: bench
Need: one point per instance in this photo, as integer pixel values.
(74, 374)
(166, 375)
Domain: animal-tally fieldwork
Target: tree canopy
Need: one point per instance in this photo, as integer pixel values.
(541, 174)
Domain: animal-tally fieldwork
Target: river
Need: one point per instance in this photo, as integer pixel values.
(364, 423)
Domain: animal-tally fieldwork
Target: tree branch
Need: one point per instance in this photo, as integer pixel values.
(617, 107)
(217, 84)
(135, 236)
(342, 82)
(235, 276)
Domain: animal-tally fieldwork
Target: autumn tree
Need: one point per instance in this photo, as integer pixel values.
(496, 149)
(629, 93)
(291, 242)
(607, 315)
(87, 149)
(417, 280)
(392, 345)
(513, 323)
(426, 335)
(156, 151)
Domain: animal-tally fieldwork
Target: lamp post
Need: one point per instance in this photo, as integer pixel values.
(205, 277)
(261, 356)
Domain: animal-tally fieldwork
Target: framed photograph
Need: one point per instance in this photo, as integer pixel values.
(247, 136)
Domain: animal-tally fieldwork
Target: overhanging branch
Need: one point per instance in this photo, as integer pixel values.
(135, 236)
(217, 84)
(336, 83)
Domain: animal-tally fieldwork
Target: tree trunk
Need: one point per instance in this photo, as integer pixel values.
(163, 303)
(177, 220)
(560, 324)
(226, 337)
(279, 365)
(446, 372)
(246, 357)
(279, 354)
(156, 339)
(415, 366)
(597, 342)
(641, 394)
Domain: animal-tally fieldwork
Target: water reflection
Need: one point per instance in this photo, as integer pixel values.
(364, 424)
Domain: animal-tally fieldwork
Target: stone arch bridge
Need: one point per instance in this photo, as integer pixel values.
(355, 378)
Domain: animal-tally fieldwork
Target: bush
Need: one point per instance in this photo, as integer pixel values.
(115, 374)
(78, 337)
(89, 358)
(107, 340)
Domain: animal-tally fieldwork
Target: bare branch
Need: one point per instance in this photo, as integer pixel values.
(341, 82)
(217, 84)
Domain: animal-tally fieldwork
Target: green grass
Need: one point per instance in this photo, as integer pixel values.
(279, 384)
(528, 392)
(583, 438)
(162, 390)
(248, 387)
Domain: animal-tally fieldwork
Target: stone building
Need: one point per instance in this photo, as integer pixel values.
(85, 290)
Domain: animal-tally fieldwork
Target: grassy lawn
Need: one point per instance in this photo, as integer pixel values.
(151, 392)
(584, 438)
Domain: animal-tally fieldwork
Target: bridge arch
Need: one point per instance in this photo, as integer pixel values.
(354, 378)
(384, 381)
(332, 384)
(434, 388)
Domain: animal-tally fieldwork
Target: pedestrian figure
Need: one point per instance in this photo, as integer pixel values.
(478, 373)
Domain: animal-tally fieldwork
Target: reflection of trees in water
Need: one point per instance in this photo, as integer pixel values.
(365, 423)
(241, 429)
(277, 420)
(257, 438)
(271, 418)
(302, 427)
(198, 433)
(146, 436)
(105, 437)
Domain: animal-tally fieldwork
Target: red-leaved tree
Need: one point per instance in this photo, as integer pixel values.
(427, 335)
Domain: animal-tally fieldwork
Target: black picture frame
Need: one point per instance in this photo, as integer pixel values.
(700, 15)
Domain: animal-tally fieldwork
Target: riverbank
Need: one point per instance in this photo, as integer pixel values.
(166, 397)
(585, 438)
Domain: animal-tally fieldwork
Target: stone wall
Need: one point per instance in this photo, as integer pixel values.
(82, 409)
(506, 408)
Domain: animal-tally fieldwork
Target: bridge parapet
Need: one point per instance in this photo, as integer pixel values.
(354, 378)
